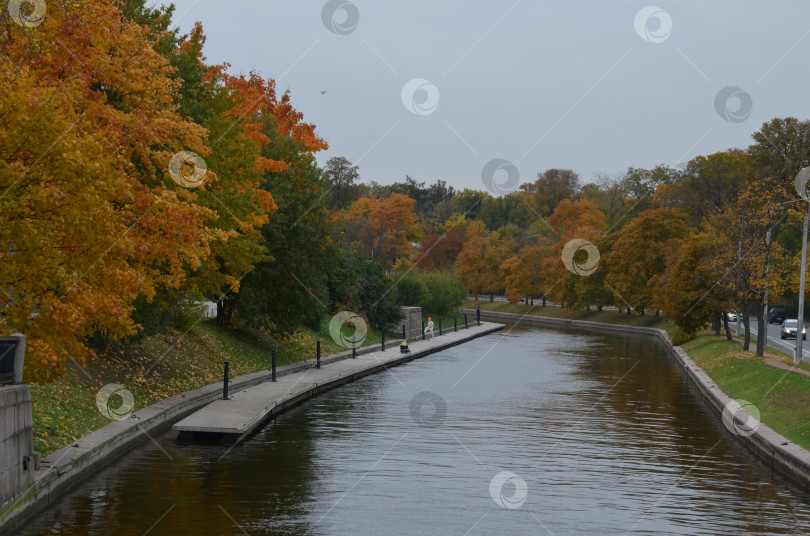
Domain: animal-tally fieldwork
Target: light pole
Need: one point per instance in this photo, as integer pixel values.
(801, 188)
(739, 313)
(797, 359)
(767, 272)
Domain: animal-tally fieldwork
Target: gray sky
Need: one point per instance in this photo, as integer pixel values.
(581, 85)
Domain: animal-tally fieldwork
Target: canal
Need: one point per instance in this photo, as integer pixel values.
(531, 431)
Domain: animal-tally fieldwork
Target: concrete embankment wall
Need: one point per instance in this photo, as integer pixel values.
(16, 442)
(66, 467)
(782, 455)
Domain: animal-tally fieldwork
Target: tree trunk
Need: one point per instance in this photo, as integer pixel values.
(716, 324)
(762, 333)
(220, 311)
(544, 300)
(725, 324)
(628, 311)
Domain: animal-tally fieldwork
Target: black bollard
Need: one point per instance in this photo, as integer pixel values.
(382, 344)
(455, 324)
(273, 363)
(404, 336)
(354, 345)
(440, 327)
(465, 321)
(225, 382)
(318, 352)
(478, 315)
(423, 330)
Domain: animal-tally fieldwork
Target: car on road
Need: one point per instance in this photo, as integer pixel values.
(732, 317)
(790, 328)
(777, 315)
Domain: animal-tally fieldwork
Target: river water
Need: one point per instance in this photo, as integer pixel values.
(532, 431)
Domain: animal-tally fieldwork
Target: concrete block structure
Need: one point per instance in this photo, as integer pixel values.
(412, 320)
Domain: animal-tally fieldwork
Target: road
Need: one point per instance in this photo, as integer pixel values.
(774, 340)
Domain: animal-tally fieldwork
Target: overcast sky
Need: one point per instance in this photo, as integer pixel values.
(436, 89)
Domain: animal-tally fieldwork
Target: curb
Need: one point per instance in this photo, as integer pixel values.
(782, 455)
(62, 470)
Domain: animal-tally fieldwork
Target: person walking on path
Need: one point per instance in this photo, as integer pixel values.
(429, 328)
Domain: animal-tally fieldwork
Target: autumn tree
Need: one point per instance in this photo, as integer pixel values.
(780, 151)
(478, 263)
(592, 289)
(581, 220)
(440, 251)
(88, 126)
(569, 218)
(385, 229)
(289, 287)
(754, 264)
(221, 104)
(551, 187)
(523, 275)
(638, 260)
(610, 194)
(694, 283)
(709, 183)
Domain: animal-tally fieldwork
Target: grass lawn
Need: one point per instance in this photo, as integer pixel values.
(555, 311)
(162, 366)
(782, 397)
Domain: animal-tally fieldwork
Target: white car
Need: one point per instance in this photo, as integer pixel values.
(790, 329)
(732, 317)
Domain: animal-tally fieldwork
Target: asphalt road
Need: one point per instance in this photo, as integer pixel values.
(774, 340)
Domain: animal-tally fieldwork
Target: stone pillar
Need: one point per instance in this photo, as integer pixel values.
(19, 357)
(412, 320)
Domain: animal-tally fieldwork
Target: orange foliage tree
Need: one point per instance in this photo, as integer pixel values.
(582, 220)
(385, 229)
(639, 257)
(478, 263)
(95, 110)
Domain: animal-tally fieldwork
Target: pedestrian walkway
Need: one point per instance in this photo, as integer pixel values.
(246, 409)
(784, 366)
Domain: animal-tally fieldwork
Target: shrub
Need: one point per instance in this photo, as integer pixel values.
(680, 337)
(438, 293)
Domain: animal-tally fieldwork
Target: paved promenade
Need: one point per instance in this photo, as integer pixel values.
(248, 408)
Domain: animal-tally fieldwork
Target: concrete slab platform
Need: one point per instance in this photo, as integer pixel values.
(247, 409)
